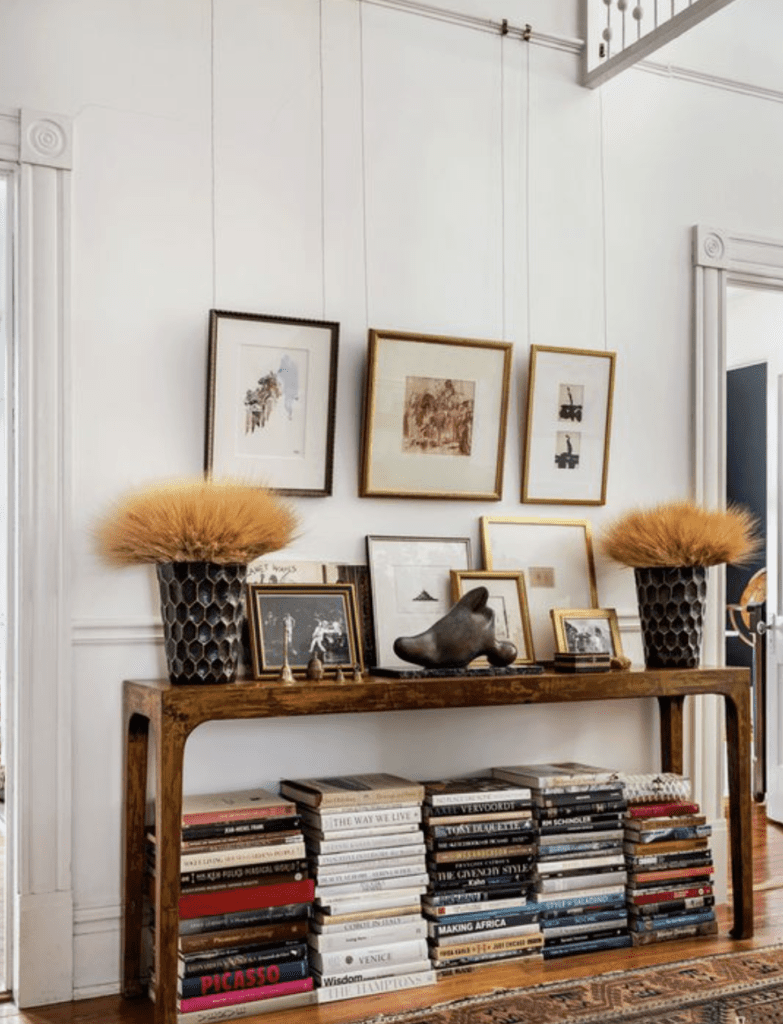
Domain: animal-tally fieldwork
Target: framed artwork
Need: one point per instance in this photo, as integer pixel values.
(411, 586)
(556, 558)
(508, 600)
(434, 417)
(569, 417)
(304, 620)
(271, 389)
(587, 631)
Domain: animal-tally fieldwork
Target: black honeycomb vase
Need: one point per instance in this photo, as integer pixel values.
(671, 610)
(202, 604)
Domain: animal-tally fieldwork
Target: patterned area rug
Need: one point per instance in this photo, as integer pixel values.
(730, 988)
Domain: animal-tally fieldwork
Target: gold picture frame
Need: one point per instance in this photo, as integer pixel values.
(569, 417)
(587, 631)
(556, 558)
(508, 600)
(289, 622)
(435, 412)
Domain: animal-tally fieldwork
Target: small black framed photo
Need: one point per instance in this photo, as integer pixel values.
(290, 623)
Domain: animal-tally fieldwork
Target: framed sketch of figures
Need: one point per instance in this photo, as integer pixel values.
(271, 388)
(292, 622)
(569, 416)
(434, 417)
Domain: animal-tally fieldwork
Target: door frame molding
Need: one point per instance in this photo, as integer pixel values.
(720, 258)
(37, 147)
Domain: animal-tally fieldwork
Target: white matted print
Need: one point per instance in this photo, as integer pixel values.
(411, 586)
(556, 559)
(434, 416)
(271, 400)
(569, 415)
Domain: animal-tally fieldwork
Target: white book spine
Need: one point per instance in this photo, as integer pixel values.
(242, 855)
(351, 903)
(394, 983)
(365, 840)
(338, 821)
(337, 875)
(359, 832)
(369, 855)
(335, 941)
(595, 926)
(330, 980)
(492, 796)
(367, 924)
(373, 956)
(325, 893)
(576, 863)
(493, 906)
(565, 884)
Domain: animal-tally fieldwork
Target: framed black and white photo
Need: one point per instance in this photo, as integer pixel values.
(569, 417)
(411, 586)
(556, 558)
(587, 631)
(271, 394)
(508, 601)
(297, 621)
(434, 417)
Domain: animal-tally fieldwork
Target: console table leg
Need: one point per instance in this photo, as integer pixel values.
(738, 747)
(671, 733)
(168, 826)
(136, 742)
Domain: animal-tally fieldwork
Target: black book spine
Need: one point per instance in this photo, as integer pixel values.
(232, 829)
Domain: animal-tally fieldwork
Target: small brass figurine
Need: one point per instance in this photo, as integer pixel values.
(339, 676)
(357, 674)
(315, 668)
(286, 675)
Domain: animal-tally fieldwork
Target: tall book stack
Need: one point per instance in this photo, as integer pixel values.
(670, 867)
(481, 845)
(579, 886)
(245, 900)
(366, 851)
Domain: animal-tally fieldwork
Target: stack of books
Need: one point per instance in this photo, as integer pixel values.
(481, 845)
(582, 662)
(245, 900)
(579, 886)
(366, 852)
(670, 868)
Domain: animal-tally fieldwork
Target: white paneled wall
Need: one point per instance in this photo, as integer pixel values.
(360, 163)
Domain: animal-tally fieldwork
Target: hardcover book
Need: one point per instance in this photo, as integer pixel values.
(353, 790)
(559, 773)
(341, 961)
(246, 995)
(245, 898)
(240, 805)
(373, 986)
(474, 789)
(234, 979)
(681, 932)
(252, 935)
(195, 964)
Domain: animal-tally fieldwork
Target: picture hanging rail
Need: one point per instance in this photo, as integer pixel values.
(271, 399)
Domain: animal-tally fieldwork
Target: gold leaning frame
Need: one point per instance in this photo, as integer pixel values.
(577, 352)
(484, 576)
(560, 615)
(368, 463)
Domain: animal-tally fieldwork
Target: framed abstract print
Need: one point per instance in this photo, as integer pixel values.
(411, 586)
(556, 558)
(508, 601)
(434, 417)
(569, 417)
(271, 393)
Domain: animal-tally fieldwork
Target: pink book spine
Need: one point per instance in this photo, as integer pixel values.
(245, 995)
(662, 810)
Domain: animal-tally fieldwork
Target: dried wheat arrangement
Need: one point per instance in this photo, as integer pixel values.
(198, 520)
(681, 533)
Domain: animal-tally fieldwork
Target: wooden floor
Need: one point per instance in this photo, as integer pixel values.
(768, 906)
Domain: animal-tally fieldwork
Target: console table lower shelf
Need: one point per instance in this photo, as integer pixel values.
(173, 712)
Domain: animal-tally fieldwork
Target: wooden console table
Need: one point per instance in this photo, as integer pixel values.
(173, 712)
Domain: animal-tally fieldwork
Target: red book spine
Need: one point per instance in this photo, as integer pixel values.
(668, 873)
(246, 897)
(672, 810)
(237, 814)
(245, 995)
(671, 894)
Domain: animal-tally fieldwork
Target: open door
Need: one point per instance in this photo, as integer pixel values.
(754, 352)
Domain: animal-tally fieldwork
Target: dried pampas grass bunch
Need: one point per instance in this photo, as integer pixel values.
(196, 521)
(681, 533)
